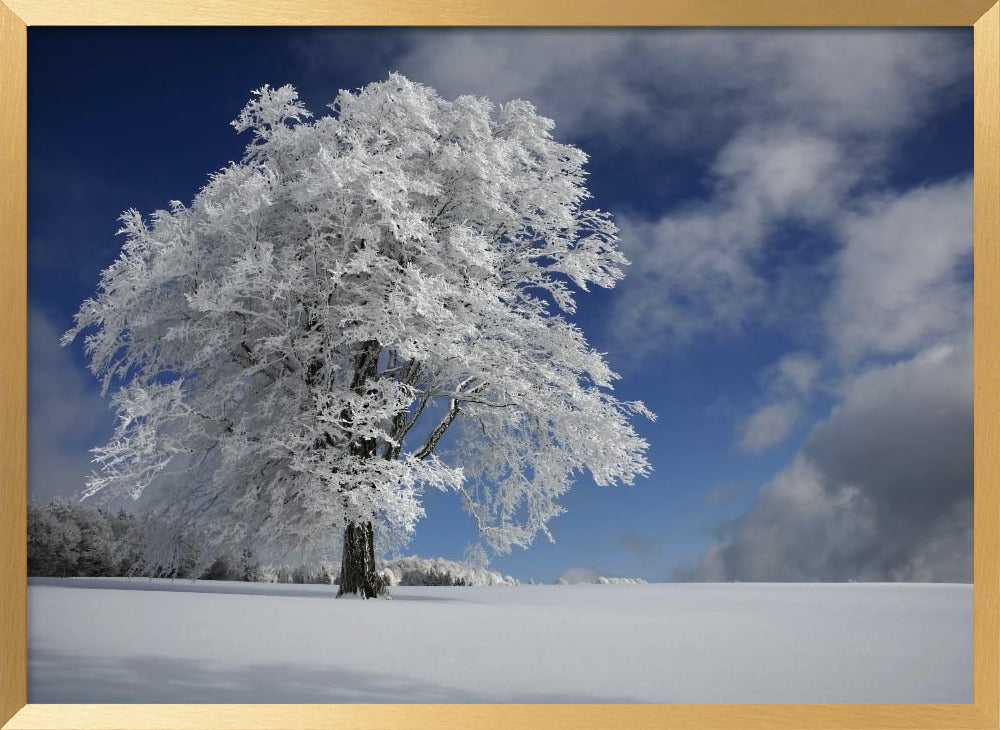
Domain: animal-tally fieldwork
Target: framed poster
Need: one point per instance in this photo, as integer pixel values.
(803, 164)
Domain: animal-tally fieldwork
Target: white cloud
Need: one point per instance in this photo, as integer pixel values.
(787, 386)
(774, 173)
(900, 277)
(695, 270)
(793, 528)
(769, 425)
(694, 87)
(882, 489)
(795, 372)
(66, 414)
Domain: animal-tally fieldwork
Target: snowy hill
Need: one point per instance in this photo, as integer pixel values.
(141, 640)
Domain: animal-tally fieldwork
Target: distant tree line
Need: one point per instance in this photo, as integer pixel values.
(70, 539)
(67, 538)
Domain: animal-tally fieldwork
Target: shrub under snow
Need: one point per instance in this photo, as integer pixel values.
(413, 570)
(604, 581)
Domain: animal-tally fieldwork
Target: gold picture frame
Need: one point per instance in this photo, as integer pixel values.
(16, 15)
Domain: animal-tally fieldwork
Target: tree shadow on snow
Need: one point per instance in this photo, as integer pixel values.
(183, 585)
(60, 677)
(55, 676)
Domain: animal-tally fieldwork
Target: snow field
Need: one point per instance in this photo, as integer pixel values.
(120, 640)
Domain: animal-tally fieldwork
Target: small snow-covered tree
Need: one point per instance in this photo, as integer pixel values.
(66, 538)
(476, 557)
(287, 353)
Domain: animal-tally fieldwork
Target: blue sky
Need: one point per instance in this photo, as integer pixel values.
(797, 207)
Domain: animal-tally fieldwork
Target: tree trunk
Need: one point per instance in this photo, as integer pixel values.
(357, 566)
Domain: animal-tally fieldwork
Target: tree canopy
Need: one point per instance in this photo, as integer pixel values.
(287, 353)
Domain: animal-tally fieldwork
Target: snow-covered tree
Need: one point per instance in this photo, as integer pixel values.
(413, 570)
(66, 538)
(287, 353)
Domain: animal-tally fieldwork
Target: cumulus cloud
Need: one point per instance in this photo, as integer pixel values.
(881, 490)
(787, 385)
(795, 372)
(696, 269)
(900, 268)
(66, 414)
(904, 273)
(694, 87)
(769, 425)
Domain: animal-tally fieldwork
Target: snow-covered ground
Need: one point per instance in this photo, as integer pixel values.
(115, 640)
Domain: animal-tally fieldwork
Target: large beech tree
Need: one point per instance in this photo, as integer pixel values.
(287, 353)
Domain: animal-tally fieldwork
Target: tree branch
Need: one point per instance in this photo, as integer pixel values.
(432, 441)
(449, 417)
